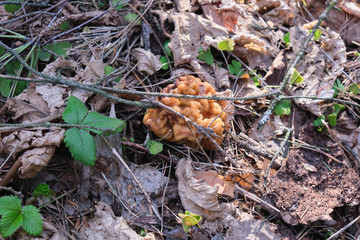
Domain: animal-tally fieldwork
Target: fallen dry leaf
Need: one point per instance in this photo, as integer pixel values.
(147, 61)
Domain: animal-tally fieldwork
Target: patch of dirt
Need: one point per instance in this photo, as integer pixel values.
(310, 185)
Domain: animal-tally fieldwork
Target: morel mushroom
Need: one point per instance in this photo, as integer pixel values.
(204, 112)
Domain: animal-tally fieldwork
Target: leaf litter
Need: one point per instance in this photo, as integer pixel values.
(309, 179)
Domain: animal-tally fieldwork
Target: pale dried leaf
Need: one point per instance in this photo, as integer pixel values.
(147, 61)
(213, 179)
(53, 96)
(221, 77)
(110, 18)
(93, 72)
(105, 225)
(34, 160)
(277, 11)
(197, 196)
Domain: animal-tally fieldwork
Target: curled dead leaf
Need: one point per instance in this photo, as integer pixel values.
(147, 61)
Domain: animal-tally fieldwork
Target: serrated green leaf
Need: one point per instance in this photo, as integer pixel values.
(206, 56)
(5, 86)
(227, 45)
(98, 120)
(154, 147)
(64, 26)
(131, 17)
(287, 39)
(332, 119)
(9, 204)
(75, 111)
(10, 222)
(354, 88)
(296, 78)
(12, 7)
(42, 190)
(81, 145)
(31, 221)
(164, 62)
(167, 49)
(108, 69)
(283, 107)
(118, 4)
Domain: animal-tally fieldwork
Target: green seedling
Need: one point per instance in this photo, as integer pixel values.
(118, 4)
(287, 39)
(227, 45)
(235, 68)
(317, 34)
(131, 17)
(12, 7)
(354, 88)
(58, 48)
(108, 69)
(43, 190)
(164, 62)
(296, 78)
(189, 219)
(167, 49)
(356, 53)
(283, 107)
(206, 56)
(332, 117)
(13, 216)
(338, 87)
(78, 139)
(319, 122)
(255, 77)
(64, 26)
(154, 147)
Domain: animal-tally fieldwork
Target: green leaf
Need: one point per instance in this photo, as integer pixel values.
(5, 85)
(354, 88)
(44, 56)
(20, 86)
(12, 7)
(43, 190)
(338, 107)
(2, 50)
(227, 45)
(318, 121)
(317, 34)
(75, 111)
(154, 147)
(118, 3)
(58, 48)
(332, 119)
(98, 120)
(206, 56)
(189, 219)
(131, 17)
(10, 222)
(108, 69)
(81, 145)
(236, 68)
(12, 67)
(31, 220)
(164, 62)
(287, 39)
(167, 49)
(283, 107)
(338, 87)
(231, 69)
(9, 204)
(296, 78)
(356, 53)
(64, 26)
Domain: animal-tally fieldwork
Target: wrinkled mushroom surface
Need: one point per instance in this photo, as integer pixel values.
(204, 112)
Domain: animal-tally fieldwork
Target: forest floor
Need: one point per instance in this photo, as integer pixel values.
(184, 119)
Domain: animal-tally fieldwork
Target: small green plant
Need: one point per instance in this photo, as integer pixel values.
(235, 68)
(283, 107)
(167, 49)
(189, 219)
(255, 77)
(43, 190)
(338, 87)
(13, 216)
(131, 17)
(227, 45)
(354, 88)
(57, 48)
(164, 62)
(154, 147)
(78, 139)
(286, 39)
(108, 69)
(206, 56)
(331, 118)
(296, 78)
(64, 26)
(317, 34)
(12, 7)
(118, 4)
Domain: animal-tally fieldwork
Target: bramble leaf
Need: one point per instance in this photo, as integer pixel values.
(43, 190)
(9, 204)
(31, 220)
(81, 145)
(10, 222)
(75, 111)
(98, 120)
